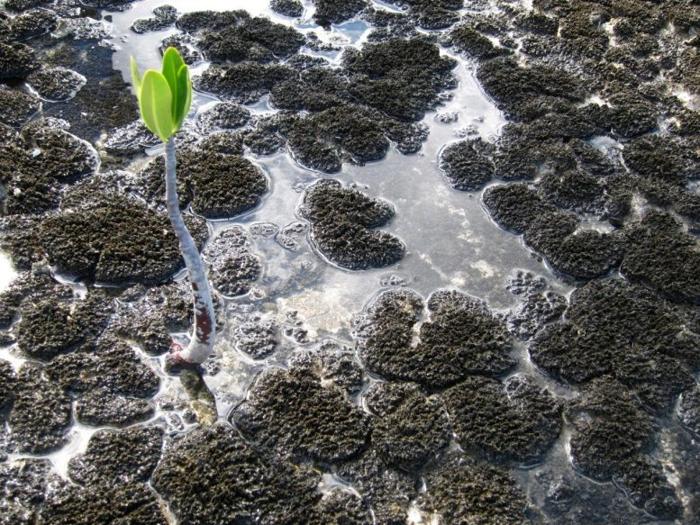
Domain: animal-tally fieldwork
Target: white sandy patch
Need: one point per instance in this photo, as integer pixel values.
(484, 268)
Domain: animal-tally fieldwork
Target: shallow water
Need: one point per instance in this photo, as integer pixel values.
(145, 46)
(451, 241)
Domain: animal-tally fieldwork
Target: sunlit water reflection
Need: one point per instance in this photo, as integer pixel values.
(7, 271)
(451, 241)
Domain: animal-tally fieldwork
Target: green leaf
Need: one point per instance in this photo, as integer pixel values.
(172, 62)
(135, 76)
(184, 95)
(156, 104)
(164, 97)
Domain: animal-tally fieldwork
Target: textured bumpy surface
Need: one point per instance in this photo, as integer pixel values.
(294, 412)
(462, 337)
(343, 225)
(487, 316)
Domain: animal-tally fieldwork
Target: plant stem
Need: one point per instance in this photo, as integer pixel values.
(202, 338)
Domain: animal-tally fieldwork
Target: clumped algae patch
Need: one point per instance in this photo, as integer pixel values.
(429, 452)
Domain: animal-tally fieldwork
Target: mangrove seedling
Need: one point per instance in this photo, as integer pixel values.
(164, 100)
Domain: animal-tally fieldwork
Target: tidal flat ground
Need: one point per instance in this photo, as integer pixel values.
(453, 245)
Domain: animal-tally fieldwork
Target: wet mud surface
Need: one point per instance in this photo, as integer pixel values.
(453, 244)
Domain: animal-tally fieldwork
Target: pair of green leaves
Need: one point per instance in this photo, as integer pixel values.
(164, 96)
